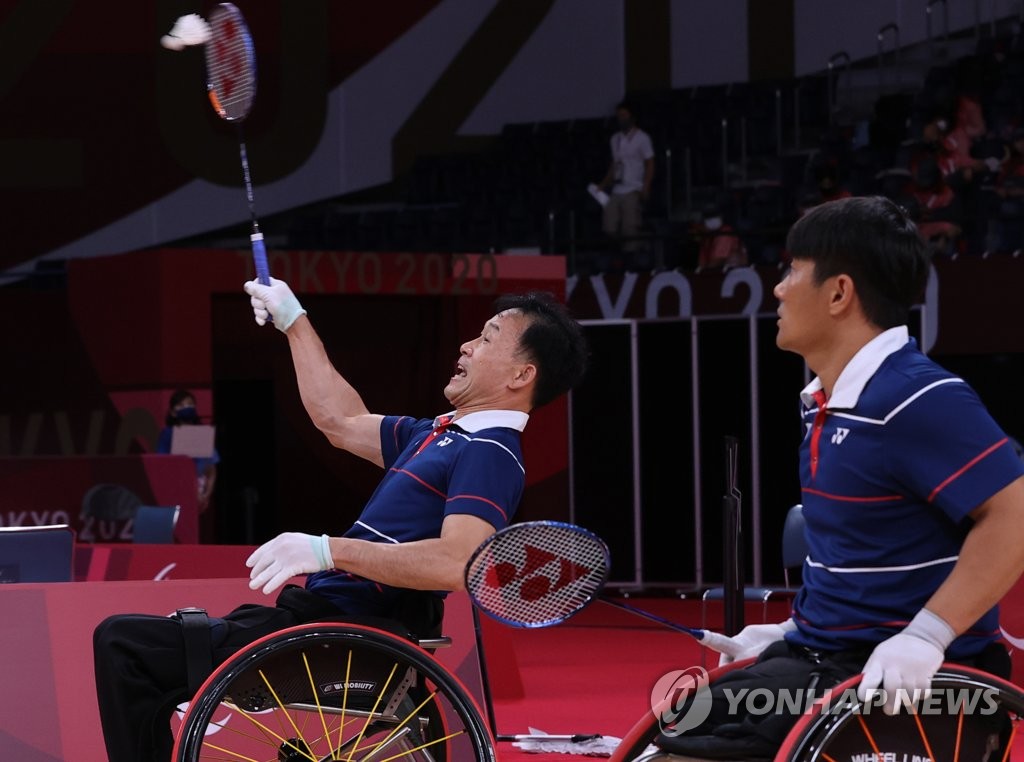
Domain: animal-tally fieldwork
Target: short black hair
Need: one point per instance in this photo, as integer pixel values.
(178, 397)
(872, 240)
(553, 341)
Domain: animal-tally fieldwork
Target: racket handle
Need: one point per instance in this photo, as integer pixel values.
(259, 258)
(721, 643)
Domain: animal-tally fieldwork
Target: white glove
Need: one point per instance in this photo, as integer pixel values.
(754, 638)
(287, 555)
(904, 664)
(277, 300)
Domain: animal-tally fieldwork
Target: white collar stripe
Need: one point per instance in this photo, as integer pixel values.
(859, 370)
(489, 419)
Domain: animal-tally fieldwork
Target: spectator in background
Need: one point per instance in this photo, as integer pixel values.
(940, 214)
(628, 180)
(182, 411)
(719, 244)
(950, 147)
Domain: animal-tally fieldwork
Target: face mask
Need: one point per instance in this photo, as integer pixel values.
(187, 415)
(713, 223)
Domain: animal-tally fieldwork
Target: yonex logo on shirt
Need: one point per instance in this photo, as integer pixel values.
(839, 436)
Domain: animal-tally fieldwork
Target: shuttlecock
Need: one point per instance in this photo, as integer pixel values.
(187, 30)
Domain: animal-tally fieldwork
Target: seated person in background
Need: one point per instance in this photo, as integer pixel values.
(182, 411)
(448, 484)
(940, 220)
(913, 496)
(950, 148)
(719, 245)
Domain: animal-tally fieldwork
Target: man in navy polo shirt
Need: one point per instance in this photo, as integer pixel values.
(912, 494)
(448, 484)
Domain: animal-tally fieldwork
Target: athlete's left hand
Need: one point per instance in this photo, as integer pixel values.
(904, 664)
(287, 555)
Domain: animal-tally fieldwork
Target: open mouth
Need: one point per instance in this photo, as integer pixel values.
(460, 372)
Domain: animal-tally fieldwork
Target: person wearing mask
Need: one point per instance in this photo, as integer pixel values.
(628, 179)
(182, 411)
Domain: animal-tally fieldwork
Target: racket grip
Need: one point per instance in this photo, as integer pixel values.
(721, 643)
(259, 258)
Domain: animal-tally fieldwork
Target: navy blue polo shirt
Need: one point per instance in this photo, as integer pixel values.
(433, 469)
(890, 468)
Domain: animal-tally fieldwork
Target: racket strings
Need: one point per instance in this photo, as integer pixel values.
(230, 64)
(539, 575)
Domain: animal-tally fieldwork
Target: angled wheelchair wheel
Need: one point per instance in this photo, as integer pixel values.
(322, 692)
(637, 745)
(971, 715)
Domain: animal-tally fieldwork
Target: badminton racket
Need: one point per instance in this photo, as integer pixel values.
(540, 573)
(231, 86)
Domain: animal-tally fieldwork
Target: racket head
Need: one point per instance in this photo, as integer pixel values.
(538, 573)
(230, 64)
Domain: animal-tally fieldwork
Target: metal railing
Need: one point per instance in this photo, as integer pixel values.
(840, 57)
(882, 33)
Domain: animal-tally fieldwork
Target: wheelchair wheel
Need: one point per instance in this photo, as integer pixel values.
(972, 715)
(332, 692)
(636, 746)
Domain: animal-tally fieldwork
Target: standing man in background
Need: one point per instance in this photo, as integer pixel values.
(628, 178)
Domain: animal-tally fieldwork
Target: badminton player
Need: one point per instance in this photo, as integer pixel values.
(912, 495)
(448, 484)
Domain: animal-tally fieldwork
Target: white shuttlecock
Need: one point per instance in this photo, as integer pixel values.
(187, 30)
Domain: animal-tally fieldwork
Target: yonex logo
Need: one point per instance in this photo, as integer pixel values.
(839, 436)
(445, 442)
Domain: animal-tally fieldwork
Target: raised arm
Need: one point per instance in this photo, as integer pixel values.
(333, 405)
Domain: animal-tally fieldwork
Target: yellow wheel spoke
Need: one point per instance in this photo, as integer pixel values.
(280, 738)
(232, 755)
(423, 746)
(344, 699)
(273, 693)
(262, 738)
(400, 725)
(319, 709)
(362, 731)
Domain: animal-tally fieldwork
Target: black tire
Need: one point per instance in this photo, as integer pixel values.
(384, 690)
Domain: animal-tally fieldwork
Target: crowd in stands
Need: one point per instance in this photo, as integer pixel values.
(723, 194)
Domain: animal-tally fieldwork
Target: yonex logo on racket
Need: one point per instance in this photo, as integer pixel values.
(228, 57)
(534, 578)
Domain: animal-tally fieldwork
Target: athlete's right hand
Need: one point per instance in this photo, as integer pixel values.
(754, 638)
(275, 300)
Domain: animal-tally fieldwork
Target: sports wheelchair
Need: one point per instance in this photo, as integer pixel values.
(334, 691)
(837, 727)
